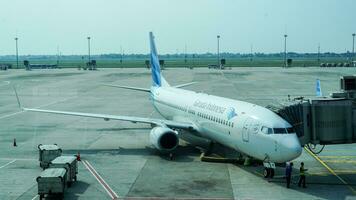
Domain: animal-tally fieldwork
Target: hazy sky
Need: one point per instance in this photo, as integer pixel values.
(42, 25)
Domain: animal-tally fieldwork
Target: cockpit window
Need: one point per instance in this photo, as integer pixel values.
(279, 130)
(290, 130)
(266, 130)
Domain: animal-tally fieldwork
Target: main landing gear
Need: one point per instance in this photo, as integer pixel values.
(269, 169)
(171, 156)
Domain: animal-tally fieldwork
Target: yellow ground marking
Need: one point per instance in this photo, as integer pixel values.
(336, 171)
(353, 157)
(341, 161)
(330, 170)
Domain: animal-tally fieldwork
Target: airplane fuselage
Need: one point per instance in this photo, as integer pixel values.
(245, 127)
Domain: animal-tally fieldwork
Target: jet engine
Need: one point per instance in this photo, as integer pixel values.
(164, 139)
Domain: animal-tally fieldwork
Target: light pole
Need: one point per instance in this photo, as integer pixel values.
(285, 50)
(218, 38)
(353, 46)
(17, 53)
(319, 53)
(185, 54)
(251, 55)
(193, 60)
(57, 56)
(88, 49)
(120, 54)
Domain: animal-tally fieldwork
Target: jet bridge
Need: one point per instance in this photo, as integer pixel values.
(325, 120)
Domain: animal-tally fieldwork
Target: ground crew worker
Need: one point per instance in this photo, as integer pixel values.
(302, 175)
(289, 169)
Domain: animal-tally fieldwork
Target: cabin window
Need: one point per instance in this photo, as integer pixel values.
(290, 130)
(279, 130)
(266, 130)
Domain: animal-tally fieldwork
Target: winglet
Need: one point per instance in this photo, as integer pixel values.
(17, 97)
(318, 89)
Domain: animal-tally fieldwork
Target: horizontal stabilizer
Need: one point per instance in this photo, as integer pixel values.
(129, 88)
(184, 85)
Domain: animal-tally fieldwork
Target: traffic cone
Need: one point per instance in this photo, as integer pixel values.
(78, 157)
(15, 142)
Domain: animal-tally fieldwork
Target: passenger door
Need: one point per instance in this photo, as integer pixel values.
(251, 126)
(245, 130)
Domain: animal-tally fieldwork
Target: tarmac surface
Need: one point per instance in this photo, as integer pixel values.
(117, 158)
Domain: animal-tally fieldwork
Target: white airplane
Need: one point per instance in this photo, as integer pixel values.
(248, 128)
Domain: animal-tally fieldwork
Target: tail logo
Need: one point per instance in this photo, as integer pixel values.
(231, 113)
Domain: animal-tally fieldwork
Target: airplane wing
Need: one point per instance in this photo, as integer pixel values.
(152, 121)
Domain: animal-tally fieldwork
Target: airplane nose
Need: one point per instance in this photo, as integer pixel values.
(290, 147)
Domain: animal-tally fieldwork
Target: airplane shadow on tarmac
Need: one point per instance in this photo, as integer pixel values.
(319, 186)
(75, 191)
(125, 129)
(181, 154)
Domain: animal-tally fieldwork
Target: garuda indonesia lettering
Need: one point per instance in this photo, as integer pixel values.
(248, 128)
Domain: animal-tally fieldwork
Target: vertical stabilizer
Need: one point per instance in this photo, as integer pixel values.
(157, 79)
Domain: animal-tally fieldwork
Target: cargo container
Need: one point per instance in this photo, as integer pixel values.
(68, 162)
(47, 153)
(52, 181)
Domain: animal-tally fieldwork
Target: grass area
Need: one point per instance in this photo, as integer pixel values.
(197, 62)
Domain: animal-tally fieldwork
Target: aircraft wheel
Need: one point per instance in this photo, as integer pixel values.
(266, 172)
(171, 156)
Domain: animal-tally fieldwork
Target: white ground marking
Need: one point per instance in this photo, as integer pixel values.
(8, 163)
(35, 197)
(22, 159)
(6, 83)
(102, 182)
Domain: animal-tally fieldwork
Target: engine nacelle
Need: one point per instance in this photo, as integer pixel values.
(164, 139)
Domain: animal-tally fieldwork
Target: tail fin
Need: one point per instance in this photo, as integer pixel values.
(318, 89)
(157, 78)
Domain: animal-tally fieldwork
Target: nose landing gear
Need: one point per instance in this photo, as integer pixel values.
(269, 169)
